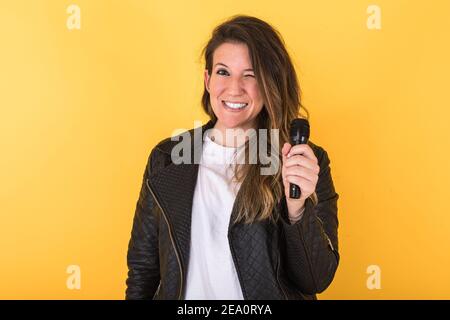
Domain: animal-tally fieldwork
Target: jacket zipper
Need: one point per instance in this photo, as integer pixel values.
(326, 236)
(278, 279)
(157, 290)
(171, 238)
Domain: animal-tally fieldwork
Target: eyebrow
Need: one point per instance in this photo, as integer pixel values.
(219, 63)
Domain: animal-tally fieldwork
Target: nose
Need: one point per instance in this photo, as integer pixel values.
(235, 87)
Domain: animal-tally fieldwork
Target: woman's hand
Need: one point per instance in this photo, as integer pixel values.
(300, 167)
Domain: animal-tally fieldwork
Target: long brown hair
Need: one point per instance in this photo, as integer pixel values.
(278, 83)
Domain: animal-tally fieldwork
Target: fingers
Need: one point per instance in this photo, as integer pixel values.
(286, 147)
(303, 172)
(304, 184)
(298, 160)
(302, 149)
(300, 167)
(284, 151)
(302, 162)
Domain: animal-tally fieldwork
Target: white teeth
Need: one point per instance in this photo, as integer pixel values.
(235, 105)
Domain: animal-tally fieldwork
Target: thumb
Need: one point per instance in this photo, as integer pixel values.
(285, 149)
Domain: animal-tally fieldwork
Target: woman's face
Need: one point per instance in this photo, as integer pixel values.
(234, 93)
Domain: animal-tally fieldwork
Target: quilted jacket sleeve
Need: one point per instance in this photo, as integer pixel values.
(143, 258)
(311, 255)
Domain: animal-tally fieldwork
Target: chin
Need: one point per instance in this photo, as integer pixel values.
(232, 123)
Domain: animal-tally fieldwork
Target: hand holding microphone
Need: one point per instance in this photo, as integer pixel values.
(300, 169)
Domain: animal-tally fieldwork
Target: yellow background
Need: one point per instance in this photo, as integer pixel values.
(81, 110)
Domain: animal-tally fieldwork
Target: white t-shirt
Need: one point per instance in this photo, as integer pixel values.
(211, 271)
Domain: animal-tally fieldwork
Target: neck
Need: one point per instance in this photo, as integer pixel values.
(229, 137)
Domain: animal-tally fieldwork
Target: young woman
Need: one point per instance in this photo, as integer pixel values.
(219, 229)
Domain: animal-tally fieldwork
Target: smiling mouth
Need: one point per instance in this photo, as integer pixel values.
(234, 105)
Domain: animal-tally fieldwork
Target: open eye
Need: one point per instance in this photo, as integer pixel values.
(220, 72)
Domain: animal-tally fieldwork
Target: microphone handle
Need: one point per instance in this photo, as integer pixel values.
(294, 191)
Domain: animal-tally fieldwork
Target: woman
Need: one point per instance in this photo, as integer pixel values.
(203, 231)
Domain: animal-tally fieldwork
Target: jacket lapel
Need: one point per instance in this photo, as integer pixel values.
(174, 187)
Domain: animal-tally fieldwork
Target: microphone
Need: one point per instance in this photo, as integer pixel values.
(299, 134)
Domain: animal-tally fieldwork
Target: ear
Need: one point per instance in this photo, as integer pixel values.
(206, 76)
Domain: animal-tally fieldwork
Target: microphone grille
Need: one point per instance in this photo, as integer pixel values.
(299, 127)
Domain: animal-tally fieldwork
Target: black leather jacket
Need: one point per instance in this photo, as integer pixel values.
(273, 261)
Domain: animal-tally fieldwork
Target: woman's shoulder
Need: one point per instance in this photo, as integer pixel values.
(167, 144)
(320, 153)
(318, 150)
(160, 155)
